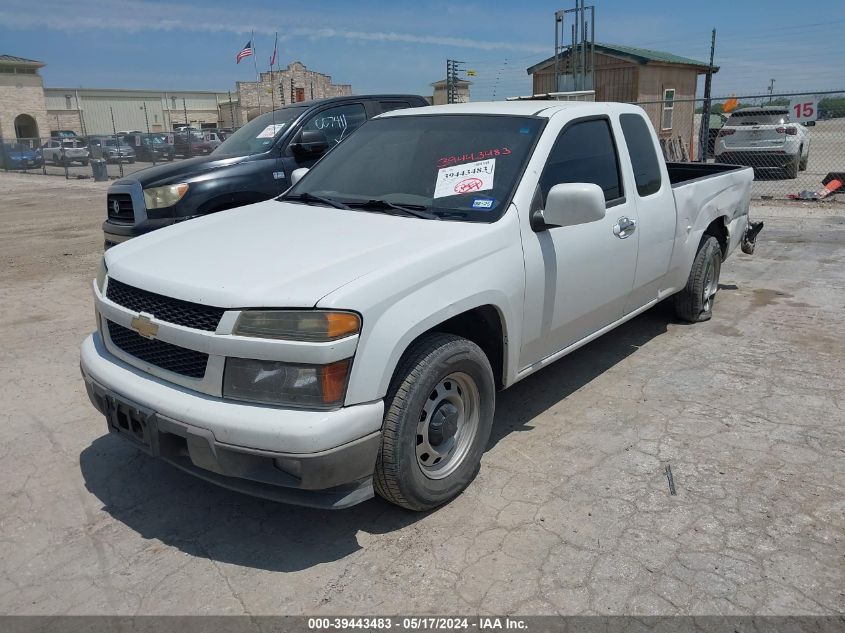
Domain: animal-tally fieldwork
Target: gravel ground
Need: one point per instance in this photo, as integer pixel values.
(570, 514)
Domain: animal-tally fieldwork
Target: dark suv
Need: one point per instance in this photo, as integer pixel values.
(253, 164)
(149, 147)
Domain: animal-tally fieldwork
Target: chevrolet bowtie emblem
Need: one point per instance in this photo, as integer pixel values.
(143, 326)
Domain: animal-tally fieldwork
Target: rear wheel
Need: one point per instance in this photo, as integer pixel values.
(439, 413)
(802, 165)
(695, 302)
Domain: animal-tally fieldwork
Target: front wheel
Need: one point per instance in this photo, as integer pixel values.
(695, 302)
(439, 414)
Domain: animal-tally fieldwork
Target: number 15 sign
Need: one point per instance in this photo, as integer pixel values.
(803, 109)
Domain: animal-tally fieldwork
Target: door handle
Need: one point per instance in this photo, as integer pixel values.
(624, 227)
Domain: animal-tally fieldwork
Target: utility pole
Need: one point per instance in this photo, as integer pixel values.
(452, 68)
(148, 139)
(771, 89)
(704, 128)
(188, 137)
(232, 111)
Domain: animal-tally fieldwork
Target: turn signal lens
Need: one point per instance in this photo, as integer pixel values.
(101, 275)
(297, 325)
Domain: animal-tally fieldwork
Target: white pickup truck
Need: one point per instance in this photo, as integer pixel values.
(348, 338)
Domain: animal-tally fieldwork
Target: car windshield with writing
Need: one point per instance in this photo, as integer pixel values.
(449, 166)
(259, 135)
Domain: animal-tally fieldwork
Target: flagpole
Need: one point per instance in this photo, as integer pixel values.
(257, 75)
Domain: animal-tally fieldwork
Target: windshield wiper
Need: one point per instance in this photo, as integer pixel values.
(415, 210)
(310, 198)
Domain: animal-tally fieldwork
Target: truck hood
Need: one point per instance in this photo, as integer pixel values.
(278, 254)
(173, 173)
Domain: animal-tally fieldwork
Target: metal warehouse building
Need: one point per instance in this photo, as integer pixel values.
(101, 111)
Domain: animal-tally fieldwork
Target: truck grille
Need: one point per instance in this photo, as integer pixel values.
(180, 360)
(185, 313)
(125, 214)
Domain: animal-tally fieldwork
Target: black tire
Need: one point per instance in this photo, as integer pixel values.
(425, 367)
(793, 167)
(695, 302)
(802, 164)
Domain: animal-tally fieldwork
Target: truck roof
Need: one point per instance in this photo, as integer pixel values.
(540, 108)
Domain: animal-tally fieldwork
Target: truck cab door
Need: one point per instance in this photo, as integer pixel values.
(656, 211)
(579, 277)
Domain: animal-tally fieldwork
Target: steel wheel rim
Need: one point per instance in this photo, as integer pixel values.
(454, 402)
(711, 283)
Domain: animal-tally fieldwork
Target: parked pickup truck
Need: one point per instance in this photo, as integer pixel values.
(252, 164)
(348, 337)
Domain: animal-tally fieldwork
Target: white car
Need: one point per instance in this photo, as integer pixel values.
(765, 139)
(65, 151)
(349, 337)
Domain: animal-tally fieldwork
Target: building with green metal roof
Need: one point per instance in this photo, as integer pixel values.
(662, 82)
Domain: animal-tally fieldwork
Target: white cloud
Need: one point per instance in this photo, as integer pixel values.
(121, 15)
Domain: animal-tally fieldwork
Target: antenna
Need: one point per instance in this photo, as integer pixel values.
(574, 62)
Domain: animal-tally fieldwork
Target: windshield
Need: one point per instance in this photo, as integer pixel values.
(258, 135)
(460, 167)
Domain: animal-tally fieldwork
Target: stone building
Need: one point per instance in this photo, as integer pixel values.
(277, 88)
(23, 113)
(440, 90)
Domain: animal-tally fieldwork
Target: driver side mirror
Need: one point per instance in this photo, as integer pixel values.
(571, 203)
(297, 174)
(310, 143)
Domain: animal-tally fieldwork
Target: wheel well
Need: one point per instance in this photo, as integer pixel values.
(482, 326)
(229, 202)
(718, 229)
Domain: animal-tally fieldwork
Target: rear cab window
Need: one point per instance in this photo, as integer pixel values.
(644, 159)
(387, 106)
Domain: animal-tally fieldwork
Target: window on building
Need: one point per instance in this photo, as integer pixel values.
(68, 102)
(643, 155)
(668, 109)
(584, 152)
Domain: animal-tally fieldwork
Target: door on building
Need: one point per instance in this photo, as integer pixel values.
(300, 94)
(25, 127)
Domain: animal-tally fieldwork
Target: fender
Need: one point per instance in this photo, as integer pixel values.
(402, 302)
(699, 203)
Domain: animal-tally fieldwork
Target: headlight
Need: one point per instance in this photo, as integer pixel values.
(101, 275)
(160, 197)
(272, 382)
(297, 325)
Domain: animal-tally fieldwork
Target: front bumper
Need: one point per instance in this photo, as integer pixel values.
(115, 233)
(316, 458)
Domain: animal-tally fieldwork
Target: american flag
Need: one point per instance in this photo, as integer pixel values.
(245, 52)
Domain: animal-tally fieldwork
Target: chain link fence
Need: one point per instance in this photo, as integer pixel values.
(103, 156)
(794, 142)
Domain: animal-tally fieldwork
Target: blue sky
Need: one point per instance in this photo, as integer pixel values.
(402, 46)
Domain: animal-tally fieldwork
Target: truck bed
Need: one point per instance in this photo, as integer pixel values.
(682, 173)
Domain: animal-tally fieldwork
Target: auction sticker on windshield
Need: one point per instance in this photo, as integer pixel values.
(467, 178)
(271, 130)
